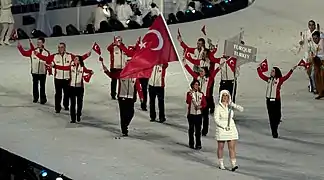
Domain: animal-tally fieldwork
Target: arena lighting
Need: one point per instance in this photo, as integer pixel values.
(227, 1)
(43, 173)
(59, 178)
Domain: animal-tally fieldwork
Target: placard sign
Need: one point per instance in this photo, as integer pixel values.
(240, 51)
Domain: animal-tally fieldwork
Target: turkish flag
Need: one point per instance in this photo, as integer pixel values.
(87, 77)
(231, 62)
(304, 64)
(155, 48)
(264, 65)
(96, 48)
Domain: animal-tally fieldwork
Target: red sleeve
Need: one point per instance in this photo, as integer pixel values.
(261, 75)
(110, 47)
(49, 59)
(212, 58)
(287, 76)
(191, 72)
(187, 48)
(165, 65)
(26, 53)
(85, 56)
(214, 72)
(87, 70)
(31, 45)
(128, 52)
(188, 98)
(139, 89)
(203, 102)
(64, 68)
(193, 61)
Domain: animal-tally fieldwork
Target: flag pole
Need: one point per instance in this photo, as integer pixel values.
(176, 51)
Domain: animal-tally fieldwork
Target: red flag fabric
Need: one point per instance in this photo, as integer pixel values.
(87, 77)
(264, 65)
(304, 64)
(96, 48)
(156, 48)
(203, 30)
(231, 62)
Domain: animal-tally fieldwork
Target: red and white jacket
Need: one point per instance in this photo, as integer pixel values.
(37, 65)
(58, 60)
(117, 57)
(197, 58)
(130, 50)
(157, 78)
(273, 84)
(205, 82)
(127, 87)
(77, 74)
(195, 99)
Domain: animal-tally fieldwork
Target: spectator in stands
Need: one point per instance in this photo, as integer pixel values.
(102, 13)
(154, 10)
(124, 12)
(6, 20)
(180, 5)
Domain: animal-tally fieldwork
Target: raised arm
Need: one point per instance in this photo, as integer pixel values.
(217, 118)
(139, 89)
(287, 76)
(129, 53)
(261, 75)
(190, 71)
(211, 56)
(192, 60)
(25, 53)
(49, 59)
(84, 56)
(237, 107)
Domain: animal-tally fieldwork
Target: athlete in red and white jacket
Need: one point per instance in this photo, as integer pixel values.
(38, 68)
(274, 83)
(156, 90)
(61, 77)
(196, 101)
(126, 98)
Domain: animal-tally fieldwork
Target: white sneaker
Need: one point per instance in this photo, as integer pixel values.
(7, 43)
(1, 43)
(222, 167)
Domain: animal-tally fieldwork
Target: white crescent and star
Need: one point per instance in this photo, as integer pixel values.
(160, 39)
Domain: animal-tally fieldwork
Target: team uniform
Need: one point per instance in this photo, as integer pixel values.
(194, 116)
(127, 89)
(38, 71)
(206, 84)
(273, 99)
(62, 78)
(228, 79)
(157, 90)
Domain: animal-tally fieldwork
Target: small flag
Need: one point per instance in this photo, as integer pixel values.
(264, 65)
(96, 48)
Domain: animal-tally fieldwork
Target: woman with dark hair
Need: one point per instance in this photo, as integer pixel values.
(196, 103)
(78, 73)
(273, 99)
(206, 79)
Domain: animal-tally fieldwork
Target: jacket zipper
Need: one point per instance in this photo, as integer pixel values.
(76, 75)
(156, 67)
(127, 88)
(63, 65)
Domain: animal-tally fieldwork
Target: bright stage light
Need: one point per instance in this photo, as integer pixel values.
(43, 173)
(59, 178)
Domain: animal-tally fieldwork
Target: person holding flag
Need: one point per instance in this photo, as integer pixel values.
(273, 98)
(228, 75)
(151, 60)
(127, 88)
(206, 81)
(117, 62)
(62, 78)
(38, 68)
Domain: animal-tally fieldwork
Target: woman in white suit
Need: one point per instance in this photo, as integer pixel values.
(225, 128)
(6, 20)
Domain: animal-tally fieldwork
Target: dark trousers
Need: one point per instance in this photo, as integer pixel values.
(113, 84)
(76, 98)
(126, 113)
(228, 85)
(159, 93)
(211, 95)
(195, 122)
(205, 116)
(61, 85)
(274, 112)
(41, 80)
(144, 85)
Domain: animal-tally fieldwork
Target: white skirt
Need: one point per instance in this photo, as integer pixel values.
(6, 16)
(223, 135)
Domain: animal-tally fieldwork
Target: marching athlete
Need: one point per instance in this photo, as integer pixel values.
(117, 63)
(38, 69)
(127, 88)
(317, 56)
(196, 103)
(157, 90)
(62, 78)
(226, 130)
(206, 80)
(273, 99)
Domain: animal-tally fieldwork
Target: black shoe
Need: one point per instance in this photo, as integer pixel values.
(152, 120)
(72, 121)
(113, 97)
(79, 118)
(35, 101)
(191, 147)
(143, 107)
(198, 147)
(234, 168)
(43, 101)
(57, 111)
(162, 120)
(319, 97)
(204, 134)
(125, 134)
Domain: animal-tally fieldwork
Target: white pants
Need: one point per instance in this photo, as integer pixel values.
(6, 32)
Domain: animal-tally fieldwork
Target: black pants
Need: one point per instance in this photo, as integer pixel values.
(211, 95)
(205, 116)
(41, 80)
(61, 85)
(228, 85)
(195, 122)
(274, 112)
(144, 84)
(159, 93)
(76, 98)
(113, 84)
(126, 113)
